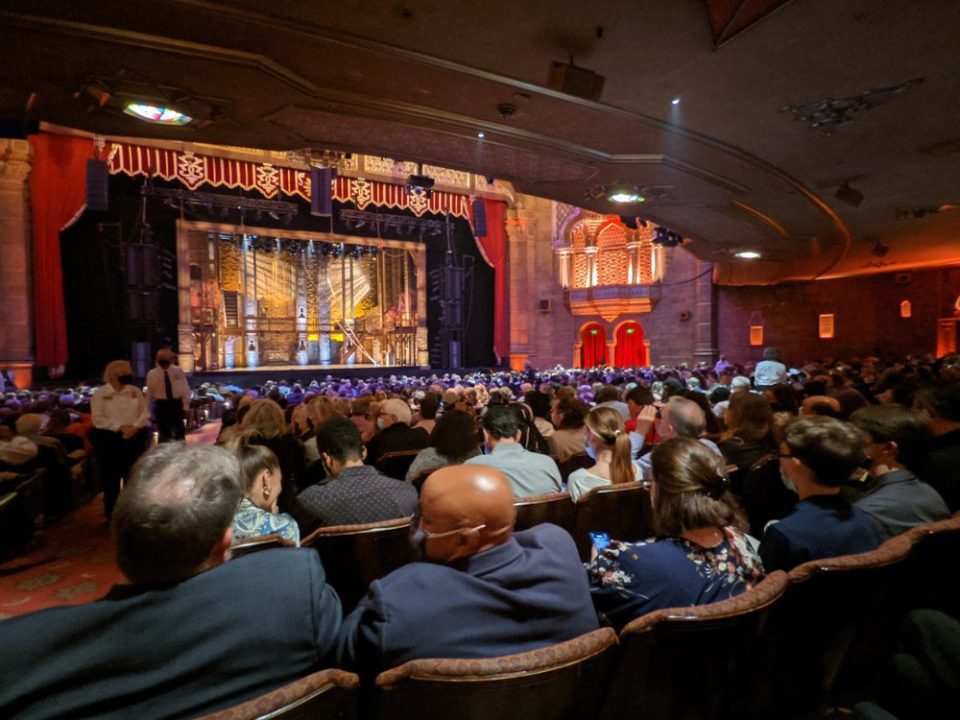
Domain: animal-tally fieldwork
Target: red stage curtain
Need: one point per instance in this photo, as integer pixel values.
(58, 187)
(630, 349)
(594, 346)
(494, 247)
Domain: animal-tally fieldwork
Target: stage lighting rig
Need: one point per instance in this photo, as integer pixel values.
(419, 184)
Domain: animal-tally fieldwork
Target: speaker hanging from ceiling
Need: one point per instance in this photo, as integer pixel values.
(98, 186)
(321, 191)
(479, 217)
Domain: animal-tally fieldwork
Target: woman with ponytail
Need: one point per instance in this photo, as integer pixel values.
(608, 444)
(700, 554)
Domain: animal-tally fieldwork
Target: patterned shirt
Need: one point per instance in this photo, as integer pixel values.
(631, 579)
(251, 521)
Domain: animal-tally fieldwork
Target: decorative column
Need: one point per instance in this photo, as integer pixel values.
(591, 252)
(323, 308)
(566, 266)
(185, 341)
(421, 339)
(300, 270)
(16, 306)
(705, 346)
(634, 276)
(250, 315)
(521, 225)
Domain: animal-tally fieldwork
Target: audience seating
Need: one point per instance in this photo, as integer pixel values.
(763, 494)
(553, 508)
(395, 464)
(560, 682)
(931, 573)
(356, 555)
(328, 694)
(261, 542)
(622, 511)
(682, 663)
(574, 462)
(420, 479)
(831, 606)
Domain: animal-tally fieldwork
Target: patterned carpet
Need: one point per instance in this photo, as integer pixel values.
(72, 561)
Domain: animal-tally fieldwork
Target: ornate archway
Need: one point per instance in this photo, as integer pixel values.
(591, 349)
(630, 347)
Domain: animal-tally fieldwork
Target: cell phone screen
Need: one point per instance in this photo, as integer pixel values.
(600, 540)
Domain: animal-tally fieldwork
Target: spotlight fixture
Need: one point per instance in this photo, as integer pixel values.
(157, 114)
(625, 194)
(666, 237)
(675, 101)
(748, 255)
(481, 135)
(849, 195)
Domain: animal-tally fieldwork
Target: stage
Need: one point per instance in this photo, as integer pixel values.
(303, 374)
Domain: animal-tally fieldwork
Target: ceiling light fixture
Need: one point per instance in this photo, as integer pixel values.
(481, 135)
(675, 101)
(625, 194)
(748, 255)
(157, 114)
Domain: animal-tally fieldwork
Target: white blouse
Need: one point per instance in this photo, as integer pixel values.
(111, 410)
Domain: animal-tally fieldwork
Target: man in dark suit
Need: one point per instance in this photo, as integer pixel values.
(941, 466)
(484, 591)
(395, 434)
(193, 633)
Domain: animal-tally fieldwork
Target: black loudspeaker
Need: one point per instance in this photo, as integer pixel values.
(321, 190)
(98, 186)
(479, 217)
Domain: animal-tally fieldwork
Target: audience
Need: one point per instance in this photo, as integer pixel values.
(352, 492)
(567, 417)
(483, 590)
(192, 633)
(749, 430)
(700, 557)
(395, 433)
(941, 465)
(260, 481)
(608, 444)
(897, 500)
(264, 424)
(818, 455)
(529, 473)
(680, 417)
(455, 438)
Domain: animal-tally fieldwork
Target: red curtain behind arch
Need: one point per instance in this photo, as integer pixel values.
(630, 349)
(58, 188)
(494, 247)
(594, 339)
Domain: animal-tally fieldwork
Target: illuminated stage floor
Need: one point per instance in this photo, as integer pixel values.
(304, 373)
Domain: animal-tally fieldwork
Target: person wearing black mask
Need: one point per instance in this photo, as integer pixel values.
(120, 416)
(169, 394)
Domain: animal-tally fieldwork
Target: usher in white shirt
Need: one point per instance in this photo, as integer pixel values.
(111, 410)
(157, 391)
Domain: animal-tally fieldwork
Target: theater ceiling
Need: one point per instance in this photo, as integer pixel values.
(825, 135)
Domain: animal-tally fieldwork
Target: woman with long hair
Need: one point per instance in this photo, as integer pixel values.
(264, 424)
(749, 430)
(260, 480)
(455, 438)
(608, 443)
(700, 554)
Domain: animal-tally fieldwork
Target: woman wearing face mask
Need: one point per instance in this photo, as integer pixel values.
(700, 556)
(260, 478)
(120, 415)
(606, 441)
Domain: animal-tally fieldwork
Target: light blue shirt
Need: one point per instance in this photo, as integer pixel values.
(529, 473)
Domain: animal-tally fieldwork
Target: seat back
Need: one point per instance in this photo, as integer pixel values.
(683, 662)
(356, 555)
(559, 682)
(396, 463)
(258, 543)
(326, 694)
(831, 606)
(931, 572)
(574, 462)
(622, 511)
(555, 508)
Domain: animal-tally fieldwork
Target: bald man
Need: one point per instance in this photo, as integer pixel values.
(481, 591)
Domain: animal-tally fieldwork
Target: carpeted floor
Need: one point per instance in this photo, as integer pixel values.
(70, 562)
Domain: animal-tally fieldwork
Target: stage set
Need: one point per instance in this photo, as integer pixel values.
(257, 299)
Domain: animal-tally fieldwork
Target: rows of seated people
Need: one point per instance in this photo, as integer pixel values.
(804, 470)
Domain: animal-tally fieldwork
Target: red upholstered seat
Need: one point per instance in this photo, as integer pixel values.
(553, 508)
(325, 694)
(683, 662)
(564, 681)
(356, 555)
(622, 511)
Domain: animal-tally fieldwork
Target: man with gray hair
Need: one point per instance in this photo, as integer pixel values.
(680, 417)
(193, 633)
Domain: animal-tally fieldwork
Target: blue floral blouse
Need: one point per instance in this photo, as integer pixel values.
(251, 521)
(631, 579)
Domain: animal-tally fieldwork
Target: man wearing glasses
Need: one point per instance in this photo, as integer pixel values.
(481, 591)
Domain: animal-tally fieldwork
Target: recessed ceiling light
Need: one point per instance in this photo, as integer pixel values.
(748, 255)
(157, 114)
(481, 135)
(675, 101)
(624, 194)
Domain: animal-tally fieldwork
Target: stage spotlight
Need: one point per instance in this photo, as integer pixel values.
(748, 255)
(624, 194)
(420, 185)
(849, 195)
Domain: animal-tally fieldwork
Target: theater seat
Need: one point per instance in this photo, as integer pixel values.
(683, 663)
(931, 572)
(395, 464)
(553, 508)
(574, 462)
(559, 682)
(622, 511)
(356, 555)
(834, 615)
(329, 694)
(261, 542)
